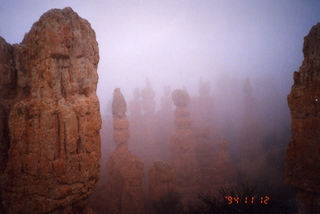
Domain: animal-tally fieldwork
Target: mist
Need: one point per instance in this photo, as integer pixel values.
(234, 59)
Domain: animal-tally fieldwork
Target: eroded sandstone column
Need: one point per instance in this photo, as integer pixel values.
(303, 152)
(53, 161)
(184, 159)
(125, 170)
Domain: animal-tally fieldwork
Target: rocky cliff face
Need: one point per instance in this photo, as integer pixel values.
(54, 119)
(125, 170)
(184, 159)
(303, 153)
(7, 98)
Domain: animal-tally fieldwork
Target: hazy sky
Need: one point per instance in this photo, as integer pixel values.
(178, 41)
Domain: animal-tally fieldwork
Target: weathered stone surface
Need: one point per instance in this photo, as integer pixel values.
(303, 152)
(54, 121)
(125, 170)
(162, 181)
(7, 95)
(184, 159)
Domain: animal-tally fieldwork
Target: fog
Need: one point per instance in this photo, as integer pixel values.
(177, 42)
(244, 52)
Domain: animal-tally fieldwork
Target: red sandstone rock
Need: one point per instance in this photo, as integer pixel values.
(184, 159)
(303, 152)
(54, 120)
(125, 170)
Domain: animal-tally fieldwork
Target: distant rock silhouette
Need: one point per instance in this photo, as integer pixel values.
(125, 170)
(303, 152)
(48, 86)
(164, 125)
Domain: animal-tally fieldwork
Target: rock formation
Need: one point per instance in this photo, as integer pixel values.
(148, 141)
(48, 86)
(164, 125)
(162, 181)
(125, 170)
(303, 152)
(135, 104)
(183, 141)
(252, 163)
(147, 94)
(136, 122)
(222, 172)
(8, 91)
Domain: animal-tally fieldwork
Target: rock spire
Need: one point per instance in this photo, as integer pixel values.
(125, 170)
(184, 159)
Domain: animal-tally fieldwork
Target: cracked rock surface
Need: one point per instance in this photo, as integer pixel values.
(48, 89)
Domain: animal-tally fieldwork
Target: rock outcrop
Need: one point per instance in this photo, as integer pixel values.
(303, 152)
(125, 170)
(54, 117)
(8, 92)
(184, 160)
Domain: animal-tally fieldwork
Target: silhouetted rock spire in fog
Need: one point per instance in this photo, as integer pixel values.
(252, 158)
(125, 170)
(48, 86)
(147, 102)
(135, 104)
(303, 152)
(164, 124)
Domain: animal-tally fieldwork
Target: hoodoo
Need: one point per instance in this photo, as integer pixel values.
(125, 170)
(48, 88)
(184, 160)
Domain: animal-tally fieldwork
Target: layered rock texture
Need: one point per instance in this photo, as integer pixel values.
(303, 153)
(184, 160)
(48, 89)
(125, 170)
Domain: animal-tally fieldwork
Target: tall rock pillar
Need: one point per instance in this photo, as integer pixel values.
(54, 120)
(125, 170)
(184, 160)
(303, 152)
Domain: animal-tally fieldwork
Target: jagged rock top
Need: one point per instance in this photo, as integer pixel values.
(311, 47)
